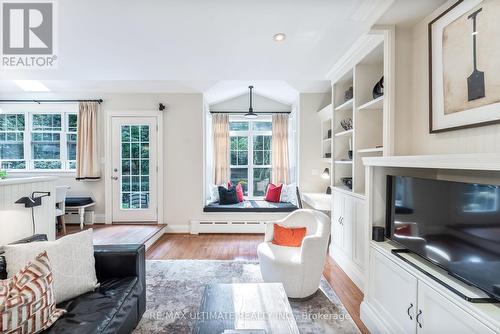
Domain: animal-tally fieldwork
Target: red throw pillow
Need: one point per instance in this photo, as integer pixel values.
(288, 236)
(239, 191)
(273, 193)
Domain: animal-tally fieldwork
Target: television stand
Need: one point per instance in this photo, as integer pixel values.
(398, 252)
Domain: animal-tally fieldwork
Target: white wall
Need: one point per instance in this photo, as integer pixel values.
(412, 114)
(310, 142)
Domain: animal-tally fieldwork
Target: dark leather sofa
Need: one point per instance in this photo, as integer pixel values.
(117, 305)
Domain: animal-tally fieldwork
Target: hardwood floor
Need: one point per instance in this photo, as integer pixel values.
(206, 247)
(236, 247)
(244, 247)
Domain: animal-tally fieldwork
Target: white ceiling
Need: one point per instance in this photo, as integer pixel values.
(216, 47)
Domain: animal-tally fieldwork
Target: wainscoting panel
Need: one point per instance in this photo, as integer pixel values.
(15, 219)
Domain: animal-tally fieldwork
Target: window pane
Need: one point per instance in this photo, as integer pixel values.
(13, 165)
(242, 158)
(12, 122)
(234, 157)
(258, 157)
(240, 175)
(134, 133)
(238, 126)
(71, 146)
(72, 122)
(234, 143)
(267, 143)
(135, 162)
(262, 126)
(261, 178)
(47, 122)
(47, 164)
(11, 150)
(267, 158)
(242, 143)
(45, 146)
(258, 142)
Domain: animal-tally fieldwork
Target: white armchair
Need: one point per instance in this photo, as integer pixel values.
(299, 269)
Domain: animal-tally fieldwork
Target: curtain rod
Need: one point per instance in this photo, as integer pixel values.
(244, 112)
(50, 101)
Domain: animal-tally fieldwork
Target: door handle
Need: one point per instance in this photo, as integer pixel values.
(418, 316)
(408, 311)
(114, 178)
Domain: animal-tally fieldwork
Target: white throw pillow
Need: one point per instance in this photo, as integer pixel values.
(72, 260)
(214, 194)
(289, 194)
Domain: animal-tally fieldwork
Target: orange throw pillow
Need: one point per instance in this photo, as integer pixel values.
(291, 237)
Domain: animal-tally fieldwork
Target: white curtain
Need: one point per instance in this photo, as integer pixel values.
(87, 155)
(280, 158)
(221, 146)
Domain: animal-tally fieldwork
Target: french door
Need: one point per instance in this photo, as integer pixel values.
(134, 169)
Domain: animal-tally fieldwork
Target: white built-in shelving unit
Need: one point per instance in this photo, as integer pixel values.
(371, 130)
(325, 115)
(370, 58)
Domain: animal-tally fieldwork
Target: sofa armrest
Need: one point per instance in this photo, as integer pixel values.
(118, 261)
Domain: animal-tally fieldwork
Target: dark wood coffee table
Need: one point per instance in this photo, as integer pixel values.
(250, 307)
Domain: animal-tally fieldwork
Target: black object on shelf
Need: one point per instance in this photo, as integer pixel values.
(328, 155)
(398, 252)
(378, 233)
(378, 89)
(347, 181)
(349, 154)
(329, 134)
(346, 124)
(328, 190)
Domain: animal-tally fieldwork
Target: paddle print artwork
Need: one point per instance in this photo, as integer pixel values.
(464, 60)
(475, 82)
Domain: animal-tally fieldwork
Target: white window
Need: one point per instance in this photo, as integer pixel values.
(38, 141)
(251, 145)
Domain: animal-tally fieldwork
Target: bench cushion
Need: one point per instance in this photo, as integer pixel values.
(251, 206)
(78, 201)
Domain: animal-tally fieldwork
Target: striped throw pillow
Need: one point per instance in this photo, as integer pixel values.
(27, 303)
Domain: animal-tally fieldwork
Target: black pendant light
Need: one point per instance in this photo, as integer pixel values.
(250, 113)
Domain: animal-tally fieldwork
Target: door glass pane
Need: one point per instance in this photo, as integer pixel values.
(135, 166)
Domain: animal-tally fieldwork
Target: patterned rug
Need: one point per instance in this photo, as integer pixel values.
(175, 289)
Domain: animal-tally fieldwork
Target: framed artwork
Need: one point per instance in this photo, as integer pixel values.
(464, 66)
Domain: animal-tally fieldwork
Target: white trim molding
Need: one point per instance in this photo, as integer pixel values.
(478, 161)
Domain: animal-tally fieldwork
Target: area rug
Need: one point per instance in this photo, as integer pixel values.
(175, 289)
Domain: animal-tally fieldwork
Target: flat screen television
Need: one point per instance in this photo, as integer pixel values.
(454, 225)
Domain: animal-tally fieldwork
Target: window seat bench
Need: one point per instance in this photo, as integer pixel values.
(251, 206)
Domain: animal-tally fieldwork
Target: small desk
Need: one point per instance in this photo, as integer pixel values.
(260, 307)
(318, 201)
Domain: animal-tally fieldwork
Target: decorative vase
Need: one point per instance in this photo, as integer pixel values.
(348, 95)
(378, 90)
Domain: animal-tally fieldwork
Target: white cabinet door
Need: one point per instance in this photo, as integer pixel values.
(347, 222)
(338, 208)
(437, 314)
(359, 232)
(392, 291)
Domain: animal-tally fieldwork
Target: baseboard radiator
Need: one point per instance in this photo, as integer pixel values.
(221, 226)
